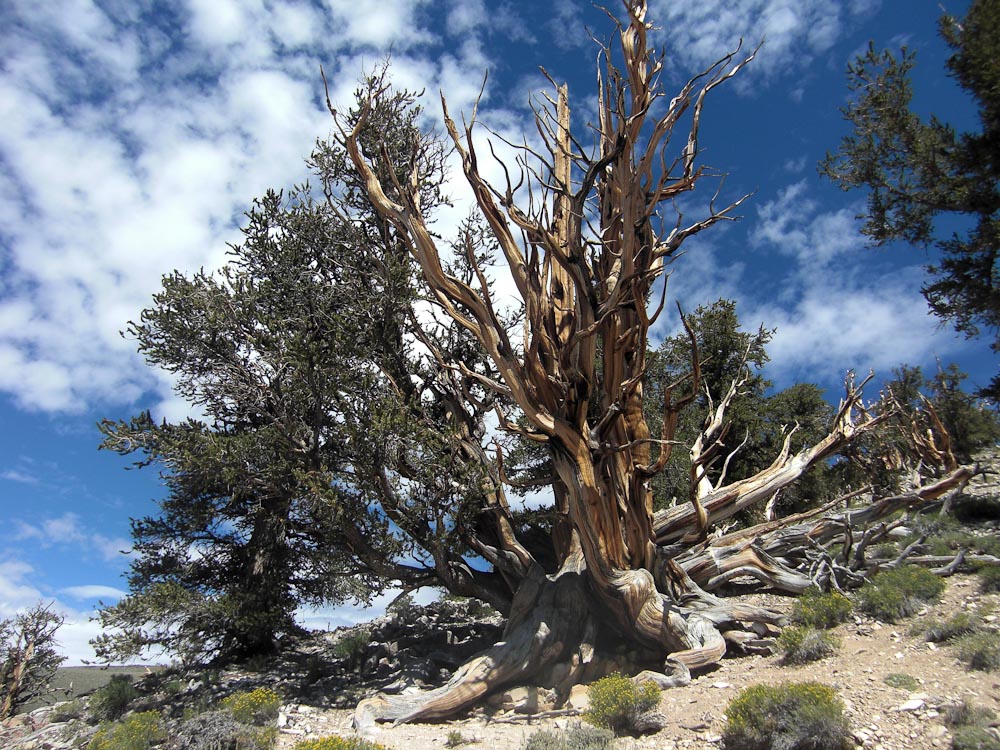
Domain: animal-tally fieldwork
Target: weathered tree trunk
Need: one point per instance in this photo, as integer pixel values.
(590, 248)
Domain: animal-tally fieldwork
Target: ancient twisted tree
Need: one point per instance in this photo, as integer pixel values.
(351, 367)
(586, 234)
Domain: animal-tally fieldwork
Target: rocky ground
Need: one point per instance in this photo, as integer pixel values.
(322, 677)
(321, 687)
(882, 716)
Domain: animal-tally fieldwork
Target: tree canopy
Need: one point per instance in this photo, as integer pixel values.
(921, 172)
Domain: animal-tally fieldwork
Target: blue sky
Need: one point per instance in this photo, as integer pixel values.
(136, 132)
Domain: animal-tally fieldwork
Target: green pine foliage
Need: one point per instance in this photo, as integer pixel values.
(757, 421)
(918, 170)
(300, 353)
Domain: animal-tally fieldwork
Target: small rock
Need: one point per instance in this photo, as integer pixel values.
(578, 698)
(721, 685)
(649, 722)
(914, 704)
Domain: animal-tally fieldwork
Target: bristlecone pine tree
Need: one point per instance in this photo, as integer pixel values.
(584, 242)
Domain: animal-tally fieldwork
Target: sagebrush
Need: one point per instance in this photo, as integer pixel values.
(616, 701)
(792, 716)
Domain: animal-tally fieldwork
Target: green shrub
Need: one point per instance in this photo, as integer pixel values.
(576, 738)
(616, 701)
(939, 631)
(454, 739)
(980, 651)
(350, 645)
(110, 702)
(965, 714)
(219, 730)
(901, 680)
(883, 551)
(338, 743)
(899, 593)
(802, 645)
(974, 738)
(173, 687)
(818, 610)
(258, 706)
(989, 579)
(137, 732)
(67, 711)
(792, 716)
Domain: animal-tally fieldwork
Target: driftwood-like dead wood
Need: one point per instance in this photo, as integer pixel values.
(782, 554)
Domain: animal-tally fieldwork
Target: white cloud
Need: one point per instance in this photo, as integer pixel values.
(14, 475)
(16, 593)
(835, 307)
(792, 225)
(218, 22)
(67, 529)
(133, 143)
(379, 24)
(93, 591)
(700, 32)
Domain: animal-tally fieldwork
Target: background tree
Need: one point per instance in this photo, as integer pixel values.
(756, 421)
(28, 657)
(919, 172)
(726, 354)
(340, 438)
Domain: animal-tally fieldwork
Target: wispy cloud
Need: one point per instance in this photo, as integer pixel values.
(93, 591)
(795, 32)
(16, 592)
(68, 529)
(13, 475)
(19, 592)
(834, 305)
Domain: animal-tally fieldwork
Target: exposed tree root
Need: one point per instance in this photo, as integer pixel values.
(553, 640)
